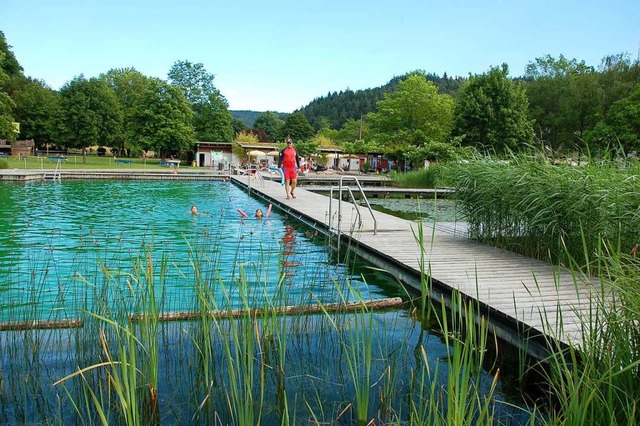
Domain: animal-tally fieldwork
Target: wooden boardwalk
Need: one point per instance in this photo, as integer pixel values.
(526, 300)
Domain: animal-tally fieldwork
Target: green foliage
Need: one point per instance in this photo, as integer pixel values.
(7, 130)
(491, 113)
(238, 125)
(36, 109)
(430, 177)
(212, 120)
(4, 164)
(567, 98)
(353, 130)
(296, 127)
(414, 115)
(194, 81)
(360, 147)
(304, 147)
(128, 84)
(162, 119)
(270, 124)
(89, 114)
(339, 107)
(621, 128)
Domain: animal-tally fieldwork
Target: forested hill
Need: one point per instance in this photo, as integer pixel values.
(249, 117)
(338, 107)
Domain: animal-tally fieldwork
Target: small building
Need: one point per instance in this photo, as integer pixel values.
(217, 155)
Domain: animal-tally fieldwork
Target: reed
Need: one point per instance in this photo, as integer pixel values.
(422, 178)
(259, 367)
(549, 211)
(596, 382)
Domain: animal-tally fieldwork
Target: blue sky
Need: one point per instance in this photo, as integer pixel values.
(281, 54)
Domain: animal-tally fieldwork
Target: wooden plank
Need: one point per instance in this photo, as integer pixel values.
(519, 287)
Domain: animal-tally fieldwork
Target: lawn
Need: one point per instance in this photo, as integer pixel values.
(75, 161)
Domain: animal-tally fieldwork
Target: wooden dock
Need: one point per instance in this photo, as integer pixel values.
(526, 301)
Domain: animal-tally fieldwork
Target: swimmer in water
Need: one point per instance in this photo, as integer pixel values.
(259, 213)
(194, 209)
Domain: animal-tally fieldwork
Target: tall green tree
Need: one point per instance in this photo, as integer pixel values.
(162, 118)
(212, 119)
(270, 123)
(296, 127)
(89, 114)
(7, 130)
(36, 109)
(491, 112)
(621, 128)
(10, 73)
(128, 85)
(414, 115)
(564, 100)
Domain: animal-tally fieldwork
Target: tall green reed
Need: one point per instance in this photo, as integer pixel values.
(547, 210)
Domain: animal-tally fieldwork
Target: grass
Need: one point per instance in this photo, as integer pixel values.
(76, 161)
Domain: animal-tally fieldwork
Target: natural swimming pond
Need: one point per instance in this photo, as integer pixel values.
(95, 248)
(57, 241)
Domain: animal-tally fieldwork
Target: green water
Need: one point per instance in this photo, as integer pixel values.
(60, 242)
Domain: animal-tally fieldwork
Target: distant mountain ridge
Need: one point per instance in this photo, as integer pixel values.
(249, 117)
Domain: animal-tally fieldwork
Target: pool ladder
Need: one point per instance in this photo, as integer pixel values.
(56, 175)
(336, 231)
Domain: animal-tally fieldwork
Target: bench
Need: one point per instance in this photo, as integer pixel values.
(123, 161)
(56, 158)
(169, 163)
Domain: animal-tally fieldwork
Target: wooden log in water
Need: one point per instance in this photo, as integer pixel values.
(392, 302)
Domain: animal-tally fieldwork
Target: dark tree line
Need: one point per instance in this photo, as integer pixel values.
(336, 108)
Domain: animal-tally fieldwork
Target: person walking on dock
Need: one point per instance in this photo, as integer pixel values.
(289, 163)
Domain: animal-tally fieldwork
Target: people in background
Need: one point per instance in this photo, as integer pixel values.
(259, 213)
(194, 209)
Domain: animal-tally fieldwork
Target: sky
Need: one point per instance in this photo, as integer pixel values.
(279, 55)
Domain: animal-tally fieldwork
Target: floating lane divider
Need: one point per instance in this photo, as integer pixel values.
(388, 303)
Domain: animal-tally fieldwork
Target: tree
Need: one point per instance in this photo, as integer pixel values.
(7, 130)
(162, 118)
(35, 110)
(564, 98)
(270, 123)
(128, 85)
(296, 127)
(621, 128)
(212, 119)
(238, 126)
(353, 130)
(412, 116)
(194, 81)
(89, 114)
(491, 112)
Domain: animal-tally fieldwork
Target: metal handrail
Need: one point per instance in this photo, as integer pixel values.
(358, 214)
